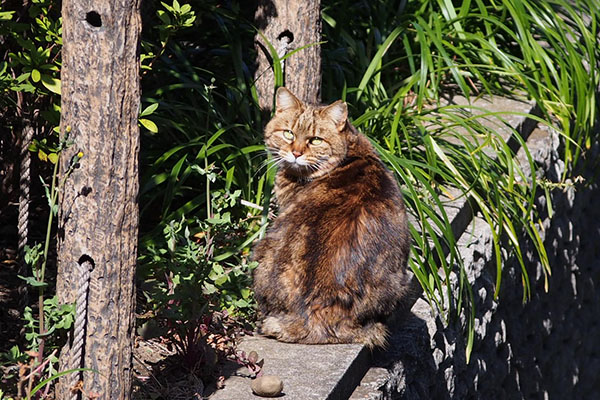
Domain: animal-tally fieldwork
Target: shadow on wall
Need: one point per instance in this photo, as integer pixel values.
(546, 348)
(553, 341)
(409, 358)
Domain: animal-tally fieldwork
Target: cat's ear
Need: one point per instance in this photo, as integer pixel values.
(285, 100)
(338, 113)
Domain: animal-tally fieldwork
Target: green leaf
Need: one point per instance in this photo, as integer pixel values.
(219, 220)
(42, 155)
(44, 382)
(6, 15)
(151, 126)
(33, 281)
(53, 157)
(35, 75)
(52, 84)
(149, 110)
(208, 288)
(241, 303)
(377, 60)
(218, 269)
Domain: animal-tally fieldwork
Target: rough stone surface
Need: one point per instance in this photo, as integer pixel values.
(545, 348)
(267, 386)
(308, 372)
(370, 385)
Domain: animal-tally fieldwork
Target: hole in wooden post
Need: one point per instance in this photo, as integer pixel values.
(85, 258)
(94, 19)
(86, 190)
(286, 34)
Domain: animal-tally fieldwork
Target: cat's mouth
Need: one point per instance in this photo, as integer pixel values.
(298, 167)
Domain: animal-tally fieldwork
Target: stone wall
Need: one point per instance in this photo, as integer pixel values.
(548, 347)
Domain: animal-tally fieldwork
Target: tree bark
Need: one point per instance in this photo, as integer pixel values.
(98, 218)
(299, 22)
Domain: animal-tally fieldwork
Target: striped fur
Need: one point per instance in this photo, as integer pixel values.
(332, 266)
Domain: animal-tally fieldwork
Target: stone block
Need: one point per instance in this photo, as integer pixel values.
(308, 372)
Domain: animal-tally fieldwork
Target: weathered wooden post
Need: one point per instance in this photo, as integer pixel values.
(98, 218)
(289, 25)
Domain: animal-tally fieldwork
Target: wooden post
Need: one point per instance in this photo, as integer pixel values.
(297, 22)
(98, 218)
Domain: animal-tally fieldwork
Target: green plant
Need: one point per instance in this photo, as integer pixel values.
(30, 64)
(3, 397)
(197, 167)
(52, 318)
(198, 268)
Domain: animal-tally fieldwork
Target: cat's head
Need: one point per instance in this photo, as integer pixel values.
(307, 140)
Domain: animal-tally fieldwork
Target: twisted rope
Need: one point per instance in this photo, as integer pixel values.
(76, 352)
(22, 224)
(284, 44)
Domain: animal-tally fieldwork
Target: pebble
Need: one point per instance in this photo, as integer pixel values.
(267, 386)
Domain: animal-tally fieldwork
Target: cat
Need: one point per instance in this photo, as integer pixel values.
(332, 265)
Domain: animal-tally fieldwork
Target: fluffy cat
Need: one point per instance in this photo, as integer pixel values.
(332, 266)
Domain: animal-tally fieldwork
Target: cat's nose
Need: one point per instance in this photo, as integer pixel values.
(296, 153)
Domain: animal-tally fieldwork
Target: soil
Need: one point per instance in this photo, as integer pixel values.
(158, 373)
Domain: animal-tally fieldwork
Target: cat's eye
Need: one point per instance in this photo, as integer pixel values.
(316, 141)
(288, 134)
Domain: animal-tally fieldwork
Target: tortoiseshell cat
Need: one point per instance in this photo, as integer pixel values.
(332, 266)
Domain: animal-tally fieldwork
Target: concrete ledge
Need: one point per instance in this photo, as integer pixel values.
(409, 357)
(309, 372)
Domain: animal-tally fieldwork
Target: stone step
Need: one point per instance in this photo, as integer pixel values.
(308, 372)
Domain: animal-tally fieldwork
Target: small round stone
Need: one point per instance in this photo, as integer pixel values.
(267, 386)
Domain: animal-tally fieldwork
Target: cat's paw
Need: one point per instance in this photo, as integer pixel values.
(271, 327)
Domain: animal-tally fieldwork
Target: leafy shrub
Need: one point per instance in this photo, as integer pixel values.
(185, 275)
(194, 273)
(198, 162)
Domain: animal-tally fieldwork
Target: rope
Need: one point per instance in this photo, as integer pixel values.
(284, 44)
(76, 352)
(22, 225)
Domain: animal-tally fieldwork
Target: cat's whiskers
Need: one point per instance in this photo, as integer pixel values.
(319, 167)
(269, 153)
(275, 162)
(261, 153)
